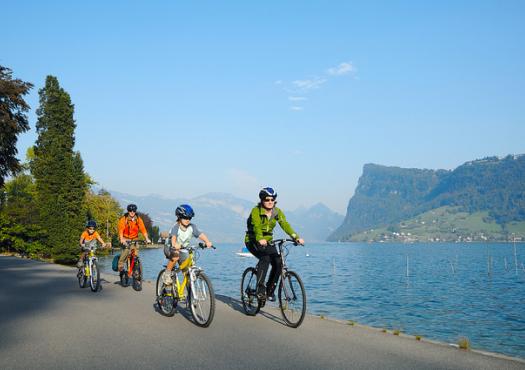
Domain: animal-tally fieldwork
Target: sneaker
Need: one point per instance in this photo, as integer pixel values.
(271, 297)
(166, 278)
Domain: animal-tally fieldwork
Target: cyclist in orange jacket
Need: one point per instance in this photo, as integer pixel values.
(87, 238)
(129, 226)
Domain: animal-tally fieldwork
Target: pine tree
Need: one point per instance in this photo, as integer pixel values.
(59, 172)
(13, 120)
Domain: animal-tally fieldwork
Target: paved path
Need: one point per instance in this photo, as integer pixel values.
(48, 322)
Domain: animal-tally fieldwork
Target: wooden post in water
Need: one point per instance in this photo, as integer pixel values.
(515, 253)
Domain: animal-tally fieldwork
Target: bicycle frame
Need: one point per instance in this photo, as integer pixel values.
(132, 257)
(188, 270)
(88, 261)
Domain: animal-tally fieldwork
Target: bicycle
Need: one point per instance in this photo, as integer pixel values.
(89, 269)
(194, 288)
(291, 293)
(132, 269)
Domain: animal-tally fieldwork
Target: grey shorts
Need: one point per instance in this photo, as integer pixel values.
(171, 252)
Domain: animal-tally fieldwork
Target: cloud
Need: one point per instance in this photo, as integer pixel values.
(297, 98)
(296, 108)
(341, 69)
(278, 82)
(307, 85)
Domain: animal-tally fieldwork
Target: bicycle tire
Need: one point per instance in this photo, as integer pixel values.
(136, 276)
(82, 278)
(166, 303)
(124, 278)
(292, 300)
(202, 313)
(250, 302)
(94, 277)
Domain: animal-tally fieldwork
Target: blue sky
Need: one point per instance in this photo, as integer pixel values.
(183, 98)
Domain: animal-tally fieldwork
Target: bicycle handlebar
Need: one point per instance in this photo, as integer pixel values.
(282, 241)
(203, 246)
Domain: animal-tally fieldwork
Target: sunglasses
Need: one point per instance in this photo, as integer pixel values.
(91, 228)
(269, 199)
(186, 218)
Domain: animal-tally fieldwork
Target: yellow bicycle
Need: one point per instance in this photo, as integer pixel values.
(89, 270)
(192, 287)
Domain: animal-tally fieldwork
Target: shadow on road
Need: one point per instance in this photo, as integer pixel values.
(30, 287)
(236, 305)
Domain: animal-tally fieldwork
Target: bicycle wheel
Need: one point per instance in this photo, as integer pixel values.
(250, 303)
(166, 301)
(137, 276)
(292, 299)
(202, 300)
(124, 278)
(94, 278)
(82, 278)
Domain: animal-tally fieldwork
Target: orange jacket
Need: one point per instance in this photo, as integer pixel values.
(86, 237)
(129, 227)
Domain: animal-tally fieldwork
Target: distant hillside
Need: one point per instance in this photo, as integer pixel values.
(223, 216)
(385, 196)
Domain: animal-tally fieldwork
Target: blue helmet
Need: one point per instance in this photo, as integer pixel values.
(267, 192)
(184, 211)
(91, 223)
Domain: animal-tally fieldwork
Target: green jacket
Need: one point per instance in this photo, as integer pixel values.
(261, 227)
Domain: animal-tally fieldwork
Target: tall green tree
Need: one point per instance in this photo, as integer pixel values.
(13, 120)
(59, 172)
(105, 210)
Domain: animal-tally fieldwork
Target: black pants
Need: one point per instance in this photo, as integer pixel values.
(266, 255)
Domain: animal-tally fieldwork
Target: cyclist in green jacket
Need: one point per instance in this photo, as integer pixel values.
(261, 223)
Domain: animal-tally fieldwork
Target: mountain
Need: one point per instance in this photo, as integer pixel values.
(222, 216)
(314, 224)
(386, 196)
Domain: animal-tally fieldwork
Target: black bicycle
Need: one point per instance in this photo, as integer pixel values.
(292, 296)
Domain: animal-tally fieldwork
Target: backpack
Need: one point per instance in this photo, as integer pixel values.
(114, 264)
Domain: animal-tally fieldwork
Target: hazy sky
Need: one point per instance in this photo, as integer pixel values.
(180, 98)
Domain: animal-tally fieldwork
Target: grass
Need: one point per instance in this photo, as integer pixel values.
(464, 343)
(396, 332)
(322, 317)
(384, 330)
(351, 323)
(418, 337)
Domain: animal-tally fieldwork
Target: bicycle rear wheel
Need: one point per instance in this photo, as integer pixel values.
(94, 278)
(250, 303)
(166, 301)
(292, 299)
(202, 300)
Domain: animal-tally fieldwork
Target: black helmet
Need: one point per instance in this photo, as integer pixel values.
(184, 211)
(267, 192)
(91, 223)
(132, 208)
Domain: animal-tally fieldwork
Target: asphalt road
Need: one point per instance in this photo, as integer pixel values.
(48, 322)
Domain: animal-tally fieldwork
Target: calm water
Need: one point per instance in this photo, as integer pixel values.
(448, 293)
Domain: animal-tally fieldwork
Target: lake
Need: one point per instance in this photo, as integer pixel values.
(438, 291)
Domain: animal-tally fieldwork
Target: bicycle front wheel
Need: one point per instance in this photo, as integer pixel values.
(250, 303)
(166, 301)
(82, 278)
(137, 276)
(292, 299)
(202, 300)
(94, 278)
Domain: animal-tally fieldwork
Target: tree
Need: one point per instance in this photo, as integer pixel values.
(105, 210)
(59, 173)
(13, 120)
